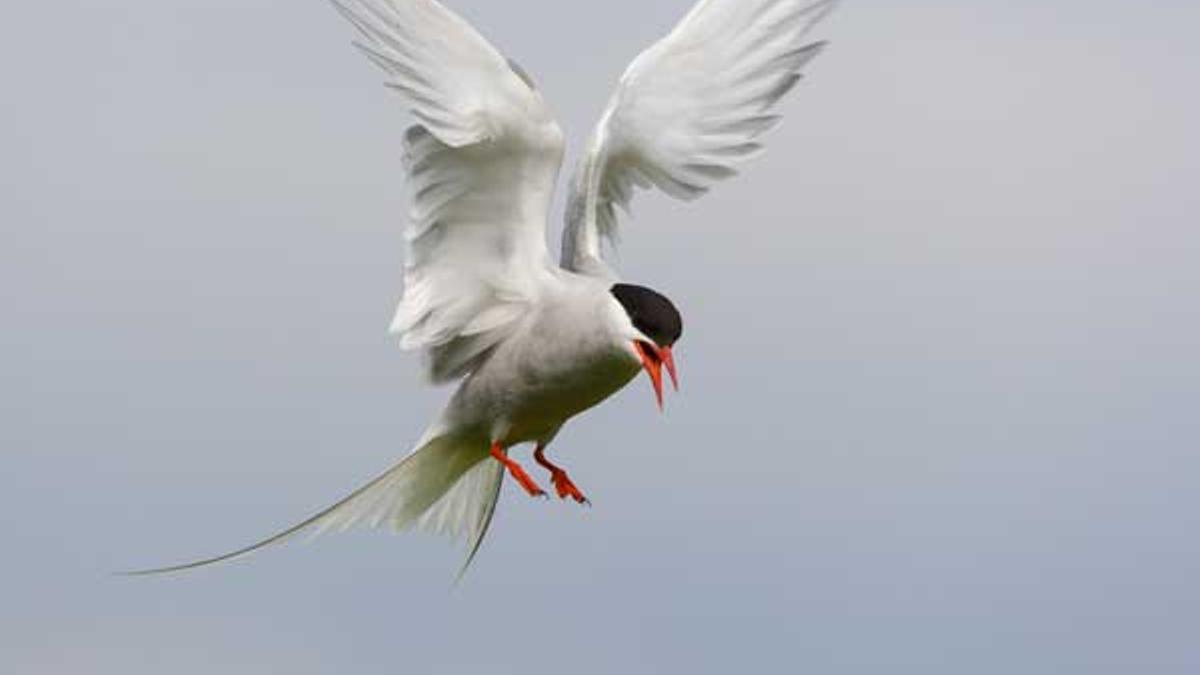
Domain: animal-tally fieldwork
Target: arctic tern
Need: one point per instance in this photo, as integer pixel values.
(530, 343)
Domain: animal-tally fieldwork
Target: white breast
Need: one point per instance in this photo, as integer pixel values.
(566, 357)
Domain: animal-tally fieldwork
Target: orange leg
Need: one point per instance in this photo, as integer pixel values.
(562, 484)
(517, 472)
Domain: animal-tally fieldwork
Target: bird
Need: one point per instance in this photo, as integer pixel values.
(529, 343)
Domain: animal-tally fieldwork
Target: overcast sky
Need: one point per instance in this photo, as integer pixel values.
(940, 373)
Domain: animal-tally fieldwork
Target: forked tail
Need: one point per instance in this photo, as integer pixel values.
(445, 486)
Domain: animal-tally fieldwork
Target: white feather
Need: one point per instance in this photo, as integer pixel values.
(686, 112)
(447, 485)
(482, 164)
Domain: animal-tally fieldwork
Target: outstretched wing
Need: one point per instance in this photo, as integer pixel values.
(687, 111)
(482, 162)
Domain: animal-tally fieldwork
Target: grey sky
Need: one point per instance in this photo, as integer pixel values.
(939, 375)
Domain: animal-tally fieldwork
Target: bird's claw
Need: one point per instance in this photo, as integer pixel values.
(565, 488)
(518, 474)
(527, 483)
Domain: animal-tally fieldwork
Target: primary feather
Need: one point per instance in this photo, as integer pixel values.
(687, 111)
(481, 164)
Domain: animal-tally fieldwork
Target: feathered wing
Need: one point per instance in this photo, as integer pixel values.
(687, 111)
(481, 163)
(445, 486)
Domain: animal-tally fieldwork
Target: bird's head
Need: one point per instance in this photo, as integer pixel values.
(656, 328)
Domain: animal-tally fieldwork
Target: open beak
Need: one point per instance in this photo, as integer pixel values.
(668, 360)
(653, 360)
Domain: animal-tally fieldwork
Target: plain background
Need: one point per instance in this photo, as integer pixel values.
(940, 374)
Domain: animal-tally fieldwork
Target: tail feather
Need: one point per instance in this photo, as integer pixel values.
(444, 486)
(466, 511)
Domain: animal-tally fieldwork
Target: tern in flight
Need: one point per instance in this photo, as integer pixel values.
(531, 344)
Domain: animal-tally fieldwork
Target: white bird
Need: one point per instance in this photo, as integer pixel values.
(532, 343)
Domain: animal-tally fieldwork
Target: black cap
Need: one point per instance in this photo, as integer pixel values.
(651, 312)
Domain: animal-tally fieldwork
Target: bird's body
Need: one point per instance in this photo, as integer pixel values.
(531, 343)
(563, 358)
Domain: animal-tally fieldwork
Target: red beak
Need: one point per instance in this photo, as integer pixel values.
(653, 359)
(668, 360)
